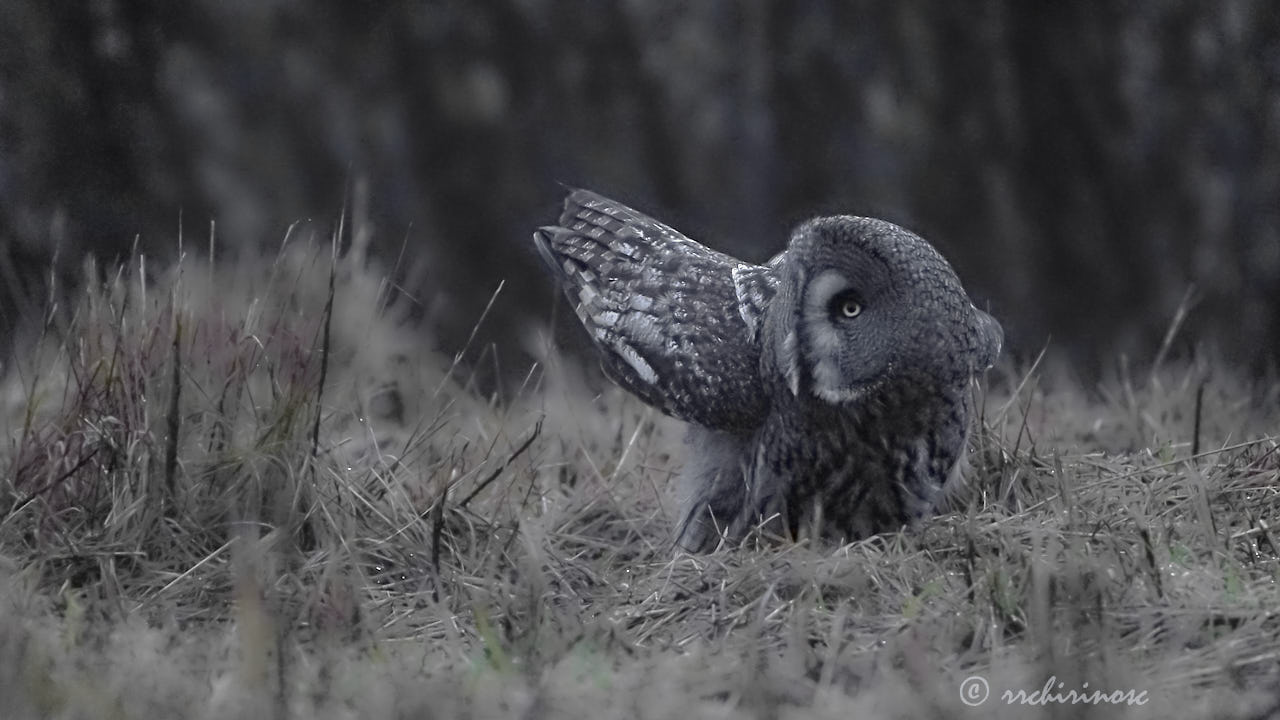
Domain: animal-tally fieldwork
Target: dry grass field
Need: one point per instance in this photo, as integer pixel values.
(253, 489)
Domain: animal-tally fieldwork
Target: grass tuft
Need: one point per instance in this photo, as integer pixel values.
(253, 489)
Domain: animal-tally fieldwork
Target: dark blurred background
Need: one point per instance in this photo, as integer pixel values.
(1083, 165)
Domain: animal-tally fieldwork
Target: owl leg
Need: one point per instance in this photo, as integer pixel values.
(712, 489)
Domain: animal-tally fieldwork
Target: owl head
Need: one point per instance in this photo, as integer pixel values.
(862, 303)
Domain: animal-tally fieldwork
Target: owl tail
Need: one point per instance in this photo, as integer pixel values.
(990, 340)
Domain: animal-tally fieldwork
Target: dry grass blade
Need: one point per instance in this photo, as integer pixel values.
(537, 430)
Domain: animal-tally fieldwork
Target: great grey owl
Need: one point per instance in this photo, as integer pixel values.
(826, 389)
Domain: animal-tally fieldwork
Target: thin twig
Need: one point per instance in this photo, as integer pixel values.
(173, 421)
(324, 348)
(537, 429)
(51, 484)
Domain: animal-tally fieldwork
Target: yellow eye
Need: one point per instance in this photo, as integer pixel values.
(850, 309)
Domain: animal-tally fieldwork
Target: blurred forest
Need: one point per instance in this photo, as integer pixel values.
(1083, 165)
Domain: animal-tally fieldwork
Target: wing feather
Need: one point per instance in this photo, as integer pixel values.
(676, 323)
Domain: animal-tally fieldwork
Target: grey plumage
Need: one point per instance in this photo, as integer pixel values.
(827, 387)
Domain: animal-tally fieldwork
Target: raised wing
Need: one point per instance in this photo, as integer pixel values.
(676, 323)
